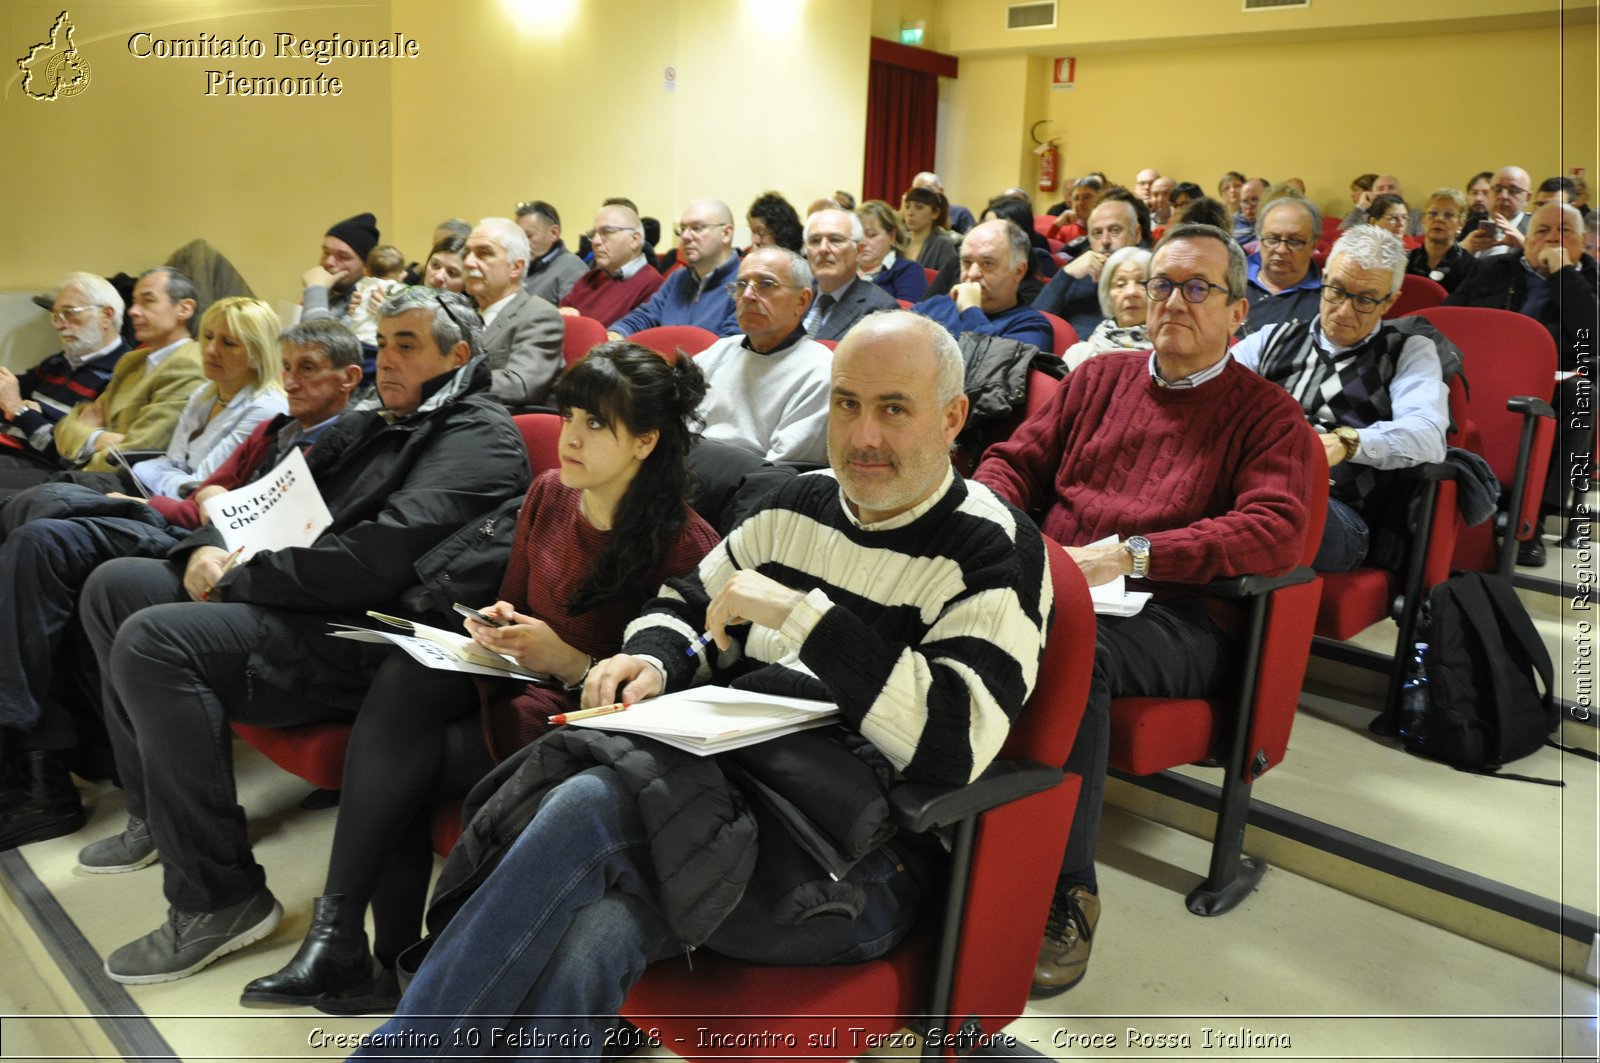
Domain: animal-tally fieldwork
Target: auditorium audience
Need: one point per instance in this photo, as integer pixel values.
(186, 644)
(149, 388)
(1376, 394)
(956, 218)
(1123, 302)
(925, 213)
(696, 294)
(883, 260)
(774, 223)
(621, 278)
(593, 541)
(522, 333)
(833, 239)
(45, 561)
(1439, 257)
(1197, 468)
(552, 269)
(1389, 213)
(330, 284)
(1508, 211)
(86, 312)
(994, 259)
(928, 670)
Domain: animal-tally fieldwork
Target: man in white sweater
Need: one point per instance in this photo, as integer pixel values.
(766, 407)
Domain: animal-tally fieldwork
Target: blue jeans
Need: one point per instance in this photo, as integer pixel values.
(539, 960)
(1344, 539)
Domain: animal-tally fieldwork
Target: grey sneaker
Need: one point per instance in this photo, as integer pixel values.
(188, 941)
(128, 851)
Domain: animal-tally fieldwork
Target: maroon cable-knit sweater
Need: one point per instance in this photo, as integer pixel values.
(606, 299)
(1213, 476)
(552, 551)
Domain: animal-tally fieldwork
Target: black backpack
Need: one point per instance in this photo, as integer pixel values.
(1483, 706)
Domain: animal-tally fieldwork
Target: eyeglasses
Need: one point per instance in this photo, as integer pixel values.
(834, 240)
(1195, 289)
(697, 227)
(1364, 304)
(606, 232)
(1508, 190)
(1293, 243)
(68, 313)
(1442, 215)
(466, 333)
(762, 286)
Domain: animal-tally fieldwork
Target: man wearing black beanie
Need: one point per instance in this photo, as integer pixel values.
(330, 282)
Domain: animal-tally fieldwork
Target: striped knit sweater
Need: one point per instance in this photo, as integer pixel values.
(927, 629)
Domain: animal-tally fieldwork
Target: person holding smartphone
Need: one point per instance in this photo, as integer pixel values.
(592, 543)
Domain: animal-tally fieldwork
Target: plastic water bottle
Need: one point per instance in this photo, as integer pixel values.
(1414, 694)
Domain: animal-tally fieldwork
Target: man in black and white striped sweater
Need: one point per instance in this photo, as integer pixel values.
(914, 599)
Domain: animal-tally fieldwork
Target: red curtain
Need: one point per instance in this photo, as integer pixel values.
(902, 126)
(902, 116)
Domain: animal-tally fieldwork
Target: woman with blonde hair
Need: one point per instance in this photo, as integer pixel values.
(243, 367)
(883, 260)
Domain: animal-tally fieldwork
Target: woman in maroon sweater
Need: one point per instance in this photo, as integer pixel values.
(593, 542)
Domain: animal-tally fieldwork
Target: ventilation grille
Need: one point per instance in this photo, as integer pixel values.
(1041, 16)
(1274, 5)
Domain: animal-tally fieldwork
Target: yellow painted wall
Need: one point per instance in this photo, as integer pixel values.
(142, 160)
(768, 94)
(1193, 113)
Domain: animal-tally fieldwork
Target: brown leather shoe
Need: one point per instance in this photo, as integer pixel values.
(1068, 937)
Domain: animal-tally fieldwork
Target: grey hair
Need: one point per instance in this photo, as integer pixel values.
(449, 326)
(1114, 263)
(1021, 247)
(459, 226)
(1370, 247)
(799, 269)
(1238, 272)
(336, 342)
(856, 232)
(509, 235)
(1292, 201)
(100, 291)
(179, 287)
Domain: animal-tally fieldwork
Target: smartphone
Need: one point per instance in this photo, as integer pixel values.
(1488, 227)
(480, 617)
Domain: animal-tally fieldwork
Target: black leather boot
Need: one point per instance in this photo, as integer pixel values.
(333, 957)
(43, 803)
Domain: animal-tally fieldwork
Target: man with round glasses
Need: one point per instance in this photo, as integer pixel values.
(1375, 390)
(1175, 467)
(87, 316)
(621, 278)
(695, 295)
(1285, 284)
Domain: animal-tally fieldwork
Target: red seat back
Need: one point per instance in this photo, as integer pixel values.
(1063, 335)
(583, 335)
(669, 339)
(1504, 355)
(540, 432)
(1416, 293)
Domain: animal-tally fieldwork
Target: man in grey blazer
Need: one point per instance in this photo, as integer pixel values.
(552, 269)
(833, 241)
(522, 333)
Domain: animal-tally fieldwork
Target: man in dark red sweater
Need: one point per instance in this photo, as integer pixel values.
(1197, 469)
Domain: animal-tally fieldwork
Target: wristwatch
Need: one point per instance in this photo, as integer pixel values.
(1138, 548)
(1350, 439)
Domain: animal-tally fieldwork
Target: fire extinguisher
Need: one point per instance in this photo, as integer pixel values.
(1049, 164)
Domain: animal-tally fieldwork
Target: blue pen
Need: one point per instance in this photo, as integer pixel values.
(698, 644)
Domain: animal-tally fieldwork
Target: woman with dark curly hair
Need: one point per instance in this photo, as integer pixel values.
(593, 542)
(774, 223)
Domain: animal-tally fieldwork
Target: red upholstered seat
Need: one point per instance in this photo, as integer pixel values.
(975, 965)
(1245, 730)
(1416, 293)
(668, 339)
(1063, 335)
(583, 334)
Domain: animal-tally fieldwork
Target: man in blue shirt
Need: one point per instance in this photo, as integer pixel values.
(1285, 284)
(994, 259)
(695, 295)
